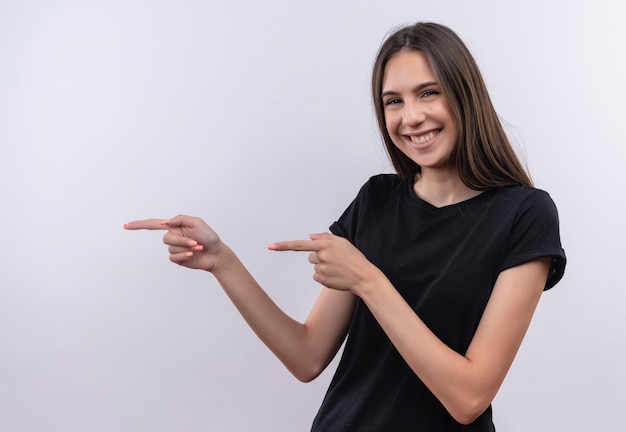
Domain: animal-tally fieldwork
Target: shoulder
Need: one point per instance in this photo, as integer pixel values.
(373, 197)
(523, 200)
(382, 186)
(534, 229)
(521, 193)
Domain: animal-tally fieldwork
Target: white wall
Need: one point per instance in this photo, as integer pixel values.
(256, 116)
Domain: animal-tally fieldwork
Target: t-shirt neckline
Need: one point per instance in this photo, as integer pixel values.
(467, 202)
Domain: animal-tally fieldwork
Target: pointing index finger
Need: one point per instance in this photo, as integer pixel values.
(147, 224)
(295, 245)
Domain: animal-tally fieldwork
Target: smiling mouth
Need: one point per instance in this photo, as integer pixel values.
(423, 138)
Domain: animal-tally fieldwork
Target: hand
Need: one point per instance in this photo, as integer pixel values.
(336, 262)
(191, 242)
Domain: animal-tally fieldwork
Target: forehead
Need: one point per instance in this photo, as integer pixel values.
(407, 68)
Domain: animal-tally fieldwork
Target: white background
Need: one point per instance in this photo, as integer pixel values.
(257, 117)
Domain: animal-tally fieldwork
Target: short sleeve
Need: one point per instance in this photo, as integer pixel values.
(347, 224)
(371, 197)
(535, 234)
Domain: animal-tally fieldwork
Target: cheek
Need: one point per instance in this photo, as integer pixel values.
(391, 122)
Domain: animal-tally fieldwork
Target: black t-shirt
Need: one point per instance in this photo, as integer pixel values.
(444, 262)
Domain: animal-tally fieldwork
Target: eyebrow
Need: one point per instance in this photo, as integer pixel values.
(416, 89)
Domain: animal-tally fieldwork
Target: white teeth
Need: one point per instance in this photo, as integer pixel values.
(422, 139)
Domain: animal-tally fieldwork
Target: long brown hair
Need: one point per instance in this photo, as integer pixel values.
(484, 157)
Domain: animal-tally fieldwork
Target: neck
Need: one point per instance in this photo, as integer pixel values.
(441, 188)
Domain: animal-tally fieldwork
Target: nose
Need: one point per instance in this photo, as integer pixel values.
(412, 114)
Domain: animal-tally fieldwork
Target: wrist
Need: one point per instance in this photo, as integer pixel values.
(371, 283)
(222, 257)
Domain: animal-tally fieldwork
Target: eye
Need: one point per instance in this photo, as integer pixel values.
(392, 101)
(431, 92)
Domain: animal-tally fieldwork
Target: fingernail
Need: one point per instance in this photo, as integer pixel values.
(272, 247)
(198, 248)
(125, 225)
(193, 243)
(189, 254)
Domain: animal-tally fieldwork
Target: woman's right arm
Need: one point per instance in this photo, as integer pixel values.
(304, 348)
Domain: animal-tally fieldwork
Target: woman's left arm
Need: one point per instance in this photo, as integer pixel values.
(465, 385)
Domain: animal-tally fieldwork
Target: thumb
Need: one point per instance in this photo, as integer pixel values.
(321, 236)
(181, 225)
(179, 222)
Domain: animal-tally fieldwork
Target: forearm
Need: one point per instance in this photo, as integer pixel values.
(342, 267)
(465, 385)
(448, 375)
(291, 341)
(305, 349)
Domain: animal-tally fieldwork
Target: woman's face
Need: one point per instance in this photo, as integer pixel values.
(417, 115)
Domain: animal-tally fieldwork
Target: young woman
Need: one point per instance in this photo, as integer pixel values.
(433, 273)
